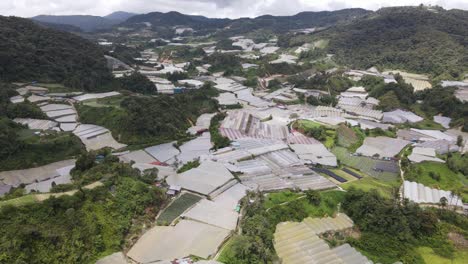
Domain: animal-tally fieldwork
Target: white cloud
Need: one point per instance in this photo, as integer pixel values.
(210, 8)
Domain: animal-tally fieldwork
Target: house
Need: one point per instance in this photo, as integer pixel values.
(173, 190)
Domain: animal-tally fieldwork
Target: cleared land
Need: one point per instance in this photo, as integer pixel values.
(176, 208)
(363, 164)
(327, 197)
(430, 256)
(369, 183)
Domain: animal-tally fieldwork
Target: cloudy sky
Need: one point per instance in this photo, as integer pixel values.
(210, 8)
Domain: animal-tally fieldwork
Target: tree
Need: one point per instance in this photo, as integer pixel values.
(85, 162)
(313, 196)
(443, 202)
(137, 82)
(459, 141)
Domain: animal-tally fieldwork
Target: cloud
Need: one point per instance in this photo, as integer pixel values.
(210, 8)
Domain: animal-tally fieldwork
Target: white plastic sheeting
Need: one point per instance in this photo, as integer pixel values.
(419, 193)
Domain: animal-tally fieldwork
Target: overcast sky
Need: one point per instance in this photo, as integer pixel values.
(210, 8)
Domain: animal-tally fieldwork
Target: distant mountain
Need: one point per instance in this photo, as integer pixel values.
(120, 16)
(31, 52)
(85, 23)
(171, 19)
(225, 26)
(418, 39)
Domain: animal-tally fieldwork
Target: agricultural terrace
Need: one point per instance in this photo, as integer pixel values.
(324, 134)
(177, 207)
(363, 164)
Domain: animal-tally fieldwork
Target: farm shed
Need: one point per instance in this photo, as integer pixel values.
(138, 156)
(39, 124)
(227, 99)
(163, 152)
(89, 96)
(208, 177)
(399, 117)
(420, 154)
(45, 186)
(28, 176)
(213, 214)
(116, 258)
(96, 137)
(299, 242)
(203, 123)
(4, 189)
(440, 146)
(443, 121)
(195, 148)
(382, 147)
(173, 242)
(317, 154)
(419, 193)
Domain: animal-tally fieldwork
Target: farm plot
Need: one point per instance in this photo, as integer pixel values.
(176, 208)
(364, 164)
(346, 136)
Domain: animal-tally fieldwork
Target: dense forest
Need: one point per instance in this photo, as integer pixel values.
(30, 52)
(410, 38)
(144, 120)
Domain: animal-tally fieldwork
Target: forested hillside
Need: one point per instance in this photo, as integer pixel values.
(29, 52)
(85, 23)
(243, 25)
(411, 38)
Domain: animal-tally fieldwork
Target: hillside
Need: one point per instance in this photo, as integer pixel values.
(85, 23)
(242, 25)
(120, 16)
(170, 19)
(30, 52)
(61, 27)
(411, 38)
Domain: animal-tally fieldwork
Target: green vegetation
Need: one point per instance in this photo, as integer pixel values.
(408, 38)
(188, 166)
(334, 83)
(442, 100)
(255, 245)
(151, 120)
(322, 133)
(177, 207)
(391, 231)
(21, 149)
(430, 256)
(363, 164)
(346, 136)
(136, 82)
(384, 188)
(34, 53)
(218, 140)
(83, 227)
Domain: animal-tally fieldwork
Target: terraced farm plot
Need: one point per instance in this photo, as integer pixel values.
(368, 183)
(364, 164)
(176, 208)
(346, 136)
